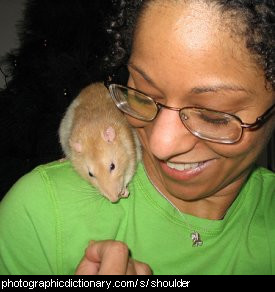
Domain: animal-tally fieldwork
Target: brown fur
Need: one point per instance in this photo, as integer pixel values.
(90, 115)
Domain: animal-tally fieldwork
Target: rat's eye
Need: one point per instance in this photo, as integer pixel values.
(90, 174)
(112, 167)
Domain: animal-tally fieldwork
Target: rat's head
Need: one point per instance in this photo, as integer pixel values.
(103, 162)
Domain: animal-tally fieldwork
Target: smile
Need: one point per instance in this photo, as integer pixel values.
(183, 166)
(184, 171)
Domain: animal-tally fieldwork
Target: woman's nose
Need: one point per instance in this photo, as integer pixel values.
(168, 136)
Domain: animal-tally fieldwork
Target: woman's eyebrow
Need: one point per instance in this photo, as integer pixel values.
(143, 74)
(218, 87)
(198, 89)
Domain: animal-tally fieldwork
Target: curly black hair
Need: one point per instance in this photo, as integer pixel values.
(258, 17)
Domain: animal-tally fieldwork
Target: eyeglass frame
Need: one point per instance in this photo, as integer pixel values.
(260, 120)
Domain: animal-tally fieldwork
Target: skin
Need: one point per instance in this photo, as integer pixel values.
(185, 55)
(110, 257)
(204, 66)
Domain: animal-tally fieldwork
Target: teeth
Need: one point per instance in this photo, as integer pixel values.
(183, 166)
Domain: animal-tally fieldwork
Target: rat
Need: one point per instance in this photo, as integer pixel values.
(97, 138)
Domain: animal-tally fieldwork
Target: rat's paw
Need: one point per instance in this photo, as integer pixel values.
(125, 193)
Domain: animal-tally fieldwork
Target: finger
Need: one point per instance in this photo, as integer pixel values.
(137, 268)
(86, 267)
(142, 268)
(131, 270)
(113, 256)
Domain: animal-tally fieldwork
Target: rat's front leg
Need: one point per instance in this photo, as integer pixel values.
(125, 193)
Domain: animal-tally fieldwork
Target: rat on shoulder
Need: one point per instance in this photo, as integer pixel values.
(102, 146)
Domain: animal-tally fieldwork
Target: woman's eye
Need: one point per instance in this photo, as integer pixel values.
(215, 119)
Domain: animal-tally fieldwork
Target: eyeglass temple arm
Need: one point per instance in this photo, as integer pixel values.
(260, 119)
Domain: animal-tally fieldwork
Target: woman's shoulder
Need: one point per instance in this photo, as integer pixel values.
(263, 177)
(41, 180)
(28, 219)
(57, 185)
(261, 186)
(262, 189)
(55, 208)
(47, 187)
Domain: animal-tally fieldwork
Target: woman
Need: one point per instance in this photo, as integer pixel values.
(201, 95)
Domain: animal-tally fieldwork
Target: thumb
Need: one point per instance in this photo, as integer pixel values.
(86, 266)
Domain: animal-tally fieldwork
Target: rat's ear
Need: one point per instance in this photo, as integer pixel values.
(109, 135)
(76, 146)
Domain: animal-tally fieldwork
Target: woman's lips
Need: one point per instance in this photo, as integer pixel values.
(184, 171)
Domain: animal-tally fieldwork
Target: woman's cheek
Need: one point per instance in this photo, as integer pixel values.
(249, 147)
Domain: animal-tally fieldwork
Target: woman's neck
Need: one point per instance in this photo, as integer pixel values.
(213, 207)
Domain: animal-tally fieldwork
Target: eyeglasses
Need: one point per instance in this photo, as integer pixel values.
(207, 124)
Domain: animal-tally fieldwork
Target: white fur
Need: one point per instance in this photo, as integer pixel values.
(65, 128)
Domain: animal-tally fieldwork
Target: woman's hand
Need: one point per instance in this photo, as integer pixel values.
(110, 257)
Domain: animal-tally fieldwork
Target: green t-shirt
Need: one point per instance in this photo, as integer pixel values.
(50, 215)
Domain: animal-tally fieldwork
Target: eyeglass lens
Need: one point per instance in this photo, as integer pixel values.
(134, 103)
(203, 123)
(211, 125)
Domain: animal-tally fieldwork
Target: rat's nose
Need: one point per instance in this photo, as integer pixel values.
(112, 197)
